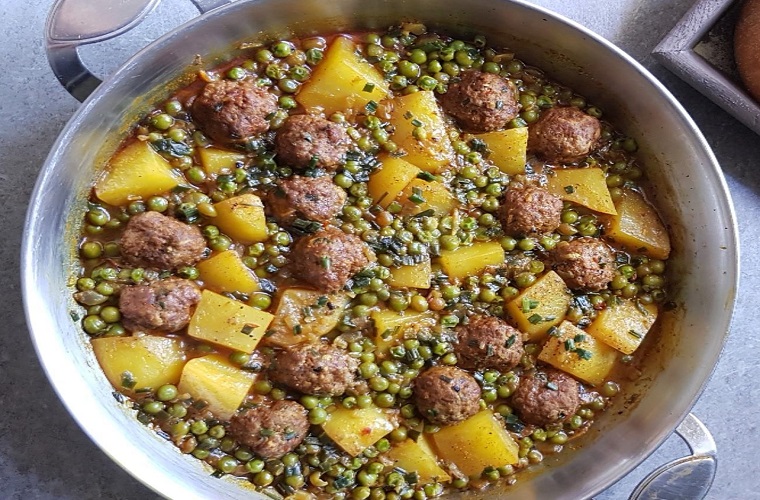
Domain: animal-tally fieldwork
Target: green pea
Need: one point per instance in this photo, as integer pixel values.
(524, 280)
(317, 416)
(310, 402)
(158, 203)
(288, 85)
(419, 303)
(282, 49)
(398, 302)
(93, 324)
(508, 243)
(162, 121)
(167, 392)
(262, 386)
(491, 67)
(153, 407)
(263, 478)
(91, 249)
(364, 401)
(526, 244)
(173, 107)
(110, 314)
(260, 300)
(220, 243)
(255, 466)
(385, 400)
(239, 358)
(378, 383)
(180, 428)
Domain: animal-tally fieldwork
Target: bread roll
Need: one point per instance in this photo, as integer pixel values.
(747, 46)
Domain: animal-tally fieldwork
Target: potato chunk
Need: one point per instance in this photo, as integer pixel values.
(355, 430)
(342, 80)
(132, 363)
(507, 149)
(574, 351)
(421, 195)
(471, 260)
(392, 327)
(540, 306)
(638, 227)
(304, 315)
(416, 456)
(476, 443)
(430, 147)
(584, 186)
(136, 172)
(390, 179)
(217, 161)
(227, 322)
(225, 272)
(414, 276)
(216, 381)
(623, 325)
(242, 218)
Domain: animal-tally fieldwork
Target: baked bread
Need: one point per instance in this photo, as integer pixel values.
(747, 46)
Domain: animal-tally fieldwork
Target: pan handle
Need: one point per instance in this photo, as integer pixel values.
(686, 477)
(73, 23)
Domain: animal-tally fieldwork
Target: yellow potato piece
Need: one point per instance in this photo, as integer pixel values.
(540, 306)
(147, 362)
(638, 227)
(584, 186)
(412, 457)
(227, 322)
(219, 161)
(623, 324)
(242, 218)
(225, 272)
(480, 441)
(574, 351)
(342, 81)
(392, 327)
(216, 381)
(432, 149)
(414, 276)
(304, 315)
(390, 179)
(421, 196)
(507, 149)
(136, 172)
(471, 260)
(355, 430)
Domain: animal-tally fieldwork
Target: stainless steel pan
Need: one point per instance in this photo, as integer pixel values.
(689, 185)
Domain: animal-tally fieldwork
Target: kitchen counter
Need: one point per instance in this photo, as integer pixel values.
(44, 454)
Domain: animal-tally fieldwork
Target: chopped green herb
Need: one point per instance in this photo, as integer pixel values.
(322, 301)
(369, 87)
(425, 213)
(247, 329)
(426, 176)
(489, 350)
(306, 226)
(528, 304)
(264, 432)
(324, 261)
(128, 380)
(636, 334)
(417, 123)
(583, 354)
(416, 196)
(569, 345)
(580, 337)
(510, 341)
(535, 319)
(371, 107)
(297, 330)
(408, 115)
(569, 189)
(554, 332)
(553, 386)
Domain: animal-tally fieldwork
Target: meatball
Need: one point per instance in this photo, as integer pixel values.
(230, 111)
(546, 397)
(271, 429)
(164, 305)
(312, 198)
(481, 102)
(585, 263)
(487, 342)
(446, 395)
(564, 135)
(530, 210)
(159, 241)
(310, 141)
(317, 369)
(328, 258)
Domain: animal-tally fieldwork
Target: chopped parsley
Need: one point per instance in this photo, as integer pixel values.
(369, 87)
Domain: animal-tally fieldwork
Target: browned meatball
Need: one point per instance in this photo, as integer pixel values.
(487, 342)
(164, 305)
(546, 397)
(585, 263)
(317, 369)
(530, 210)
(564, 135)
(155, 240)
(481, 102)
(310, 198)
(446, 395)
(230, 111)
(271, 429)
(310, 141)
(328, 258)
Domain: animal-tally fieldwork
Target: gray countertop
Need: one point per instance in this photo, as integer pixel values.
(43, 454)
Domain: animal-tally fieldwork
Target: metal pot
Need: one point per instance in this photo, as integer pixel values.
(689, 189)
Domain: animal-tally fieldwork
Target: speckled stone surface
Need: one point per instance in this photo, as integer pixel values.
(44, 455)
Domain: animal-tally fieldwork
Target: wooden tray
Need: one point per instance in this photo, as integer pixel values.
(699, 49)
